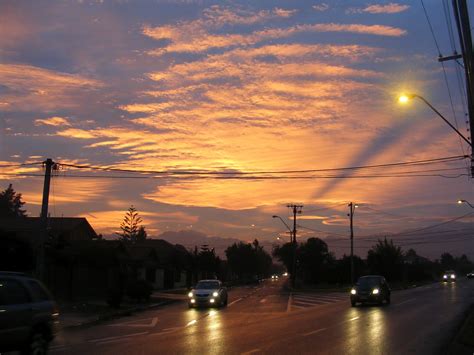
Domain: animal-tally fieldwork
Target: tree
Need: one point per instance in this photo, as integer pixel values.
(315, 260)
(386, 259)
(248, 261)
(132, 231)
(11, 204)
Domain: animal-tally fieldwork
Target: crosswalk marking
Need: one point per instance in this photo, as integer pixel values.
(306, 300)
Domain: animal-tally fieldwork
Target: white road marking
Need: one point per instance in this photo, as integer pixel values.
(251, 352)
(398, 304)
(233, 302)
(290, 299)
(194, 321)
(263, 300)
(350, 320)
(133, 323)
(313, 303)
(314, 332)
(116, 337)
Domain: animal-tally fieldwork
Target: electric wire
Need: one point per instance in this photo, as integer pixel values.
(212, 172)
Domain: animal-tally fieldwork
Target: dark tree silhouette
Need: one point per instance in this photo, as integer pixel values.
(132, 231)
(11, 204)
(248, 261)
(386, 259)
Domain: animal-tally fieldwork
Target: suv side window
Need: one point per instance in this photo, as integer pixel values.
(13, 292)
(38, 291)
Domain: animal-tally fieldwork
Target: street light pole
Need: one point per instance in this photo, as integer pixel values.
(466, 202)
(352, 208)
(296, 209)
(404, 98)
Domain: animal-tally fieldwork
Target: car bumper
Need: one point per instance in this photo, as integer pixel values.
(204, 302)
(367, 298)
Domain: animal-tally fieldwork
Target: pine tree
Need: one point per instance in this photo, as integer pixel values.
(11, 204)
(132, 231)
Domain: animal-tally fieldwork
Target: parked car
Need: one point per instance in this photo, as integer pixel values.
(470, 275)
(449, 276)
(370, 289)
(208, 293)
(28, 314)
(275, 277)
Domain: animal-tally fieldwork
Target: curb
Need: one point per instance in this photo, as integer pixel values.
(118, 314)
(455, 346)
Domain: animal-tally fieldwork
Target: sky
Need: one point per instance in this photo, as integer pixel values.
(217, 98)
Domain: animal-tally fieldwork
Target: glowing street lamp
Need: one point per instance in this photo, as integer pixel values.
(466, 202)
(405, 98)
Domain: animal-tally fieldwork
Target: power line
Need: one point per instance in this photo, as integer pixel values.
(212, 172)
(249, 178)
(16, 165)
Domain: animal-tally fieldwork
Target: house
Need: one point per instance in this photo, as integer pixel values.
(79, 265)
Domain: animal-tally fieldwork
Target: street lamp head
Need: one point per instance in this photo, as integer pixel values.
(404, 98)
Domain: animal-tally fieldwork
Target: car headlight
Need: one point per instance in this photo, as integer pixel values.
(445, 276)
(190, 294)
(353, 291)
(453, 276)
(375, 291)
(211, 300)
(215, 294)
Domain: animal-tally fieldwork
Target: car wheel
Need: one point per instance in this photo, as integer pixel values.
(38, 344)
(225, 302)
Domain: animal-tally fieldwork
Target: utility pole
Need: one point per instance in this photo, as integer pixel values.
(296, 209)
(461, 16)
(352, 208)
(49, 165)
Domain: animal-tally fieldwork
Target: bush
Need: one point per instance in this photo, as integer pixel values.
(139, 290)
(114, 297)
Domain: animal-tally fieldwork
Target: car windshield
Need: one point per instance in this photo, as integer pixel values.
(368, 282)
(207, 285)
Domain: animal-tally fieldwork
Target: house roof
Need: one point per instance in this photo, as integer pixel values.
(56, 225)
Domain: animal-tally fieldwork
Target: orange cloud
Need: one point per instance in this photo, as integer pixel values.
(53, 121)
(42, 88)
(391, 8)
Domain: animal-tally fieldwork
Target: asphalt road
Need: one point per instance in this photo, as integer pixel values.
(265, 319)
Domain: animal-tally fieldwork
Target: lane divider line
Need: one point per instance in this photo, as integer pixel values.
(290, 299)
(315, 331)
(234, 302)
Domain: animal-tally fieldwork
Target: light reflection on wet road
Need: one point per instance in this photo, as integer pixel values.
(419, 321)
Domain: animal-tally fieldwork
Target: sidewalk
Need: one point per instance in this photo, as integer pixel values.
(75, 315)
(463, 342)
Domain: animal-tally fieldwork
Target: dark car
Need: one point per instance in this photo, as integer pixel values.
(370, 289)
(208, 293)
(449, 276)
(28, 314)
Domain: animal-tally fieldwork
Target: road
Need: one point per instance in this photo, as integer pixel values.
(265, 319)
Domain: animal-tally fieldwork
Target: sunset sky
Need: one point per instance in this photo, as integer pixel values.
(237, 87)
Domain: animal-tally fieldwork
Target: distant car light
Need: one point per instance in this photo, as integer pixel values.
(353, 291)
(453, 276)
(445, 276)
(190, 294)
(215, 294)
(375, 291)
(193, 300)
(212, 300)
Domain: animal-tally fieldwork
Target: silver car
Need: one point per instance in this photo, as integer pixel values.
(208, 293)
